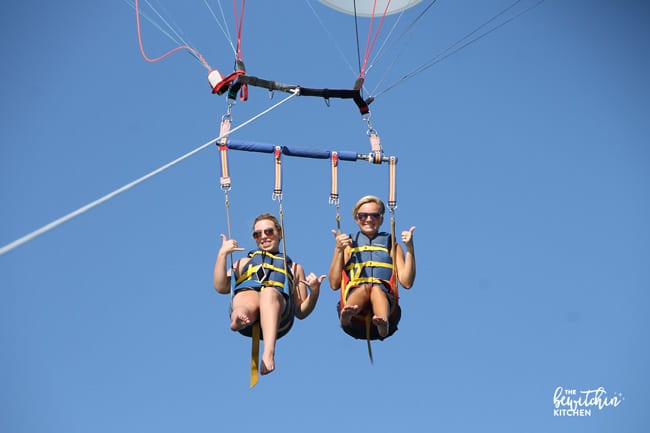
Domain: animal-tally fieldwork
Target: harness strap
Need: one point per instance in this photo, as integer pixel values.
(359, 266)
(363, 248)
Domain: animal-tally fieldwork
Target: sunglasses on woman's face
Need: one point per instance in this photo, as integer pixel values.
(362, 216)
(257, 234)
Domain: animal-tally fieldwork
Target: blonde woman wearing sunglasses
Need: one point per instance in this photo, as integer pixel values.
(363, 268)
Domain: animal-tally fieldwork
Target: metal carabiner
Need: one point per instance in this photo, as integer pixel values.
(371, 130)
(228, 115)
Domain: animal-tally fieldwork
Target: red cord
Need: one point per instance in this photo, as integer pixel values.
(183, 47)
(370, 45)
(239, 24)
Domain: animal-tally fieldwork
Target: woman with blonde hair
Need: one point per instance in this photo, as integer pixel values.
(363, 268)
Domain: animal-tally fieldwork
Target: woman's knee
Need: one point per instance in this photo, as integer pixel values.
(248, 300)
(271, 295)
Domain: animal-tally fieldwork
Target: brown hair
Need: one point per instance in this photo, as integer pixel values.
(368, 199)
(272, 218)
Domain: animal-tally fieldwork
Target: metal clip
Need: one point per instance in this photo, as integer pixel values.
(371, 130)
(228, 115)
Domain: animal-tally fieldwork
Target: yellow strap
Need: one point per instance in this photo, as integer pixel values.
(253, 269)
(250, 271)
(275, 268)
(368, 248)
(268, 254)
(255, 354)
(368, 264)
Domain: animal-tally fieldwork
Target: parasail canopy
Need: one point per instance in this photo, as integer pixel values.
(370, 8)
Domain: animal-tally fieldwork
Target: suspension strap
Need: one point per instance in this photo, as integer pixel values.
(392, 163)
(277, 190)
(224, 180)
(226, 121)
(334, 195)
(392, 205)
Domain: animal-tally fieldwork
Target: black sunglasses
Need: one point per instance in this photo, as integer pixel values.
(258, 233)
(361, 216)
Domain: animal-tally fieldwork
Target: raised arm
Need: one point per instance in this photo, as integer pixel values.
(305, 302)
(221, 273)
(406, 261)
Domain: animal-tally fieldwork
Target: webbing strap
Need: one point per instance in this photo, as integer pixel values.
(277, 195)
(277, 189)
(223, 151)
(392, 202)
(255, 354)
(334, 194)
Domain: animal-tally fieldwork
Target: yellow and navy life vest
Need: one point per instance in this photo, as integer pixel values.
(266, 269)
(370, 261)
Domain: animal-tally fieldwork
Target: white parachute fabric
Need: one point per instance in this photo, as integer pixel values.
(364, 8)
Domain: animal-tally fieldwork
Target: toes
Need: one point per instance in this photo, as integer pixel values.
(381, 324)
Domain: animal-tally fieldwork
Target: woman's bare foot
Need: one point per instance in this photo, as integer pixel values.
(268, 364)
(347, 312)
(239, 320)
(381, 324)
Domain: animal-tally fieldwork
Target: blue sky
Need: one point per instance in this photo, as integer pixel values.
(523, 163)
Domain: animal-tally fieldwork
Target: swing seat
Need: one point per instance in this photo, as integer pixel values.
(357, 326)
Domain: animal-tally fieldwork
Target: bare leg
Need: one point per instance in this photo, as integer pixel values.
(245, 308)
(271, 304)
(380, 309)
(356, 302)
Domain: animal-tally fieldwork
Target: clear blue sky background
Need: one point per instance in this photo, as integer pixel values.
(523, 163)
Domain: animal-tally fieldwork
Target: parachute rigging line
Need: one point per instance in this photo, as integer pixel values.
(356, 32)
(462, 43)
(394, 43)
(174, 39)
(239, 24)
(28, 237)
(370, 43)
(194, 52)
(222, 24)
(334, 42)
(379, 54)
